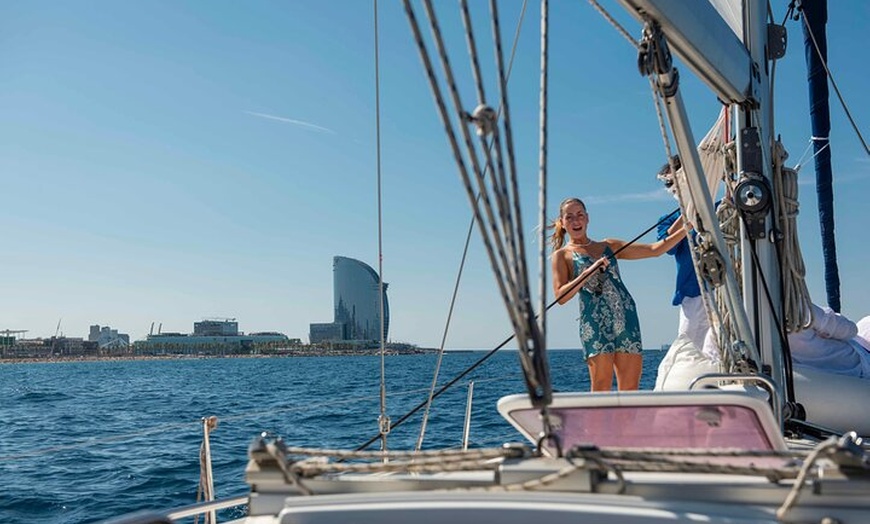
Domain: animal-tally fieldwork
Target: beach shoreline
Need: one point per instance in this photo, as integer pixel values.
(59, 359)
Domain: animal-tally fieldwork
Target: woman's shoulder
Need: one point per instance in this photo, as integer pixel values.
(566, 253)
(562, 258)
(613, 243)
(562, 252)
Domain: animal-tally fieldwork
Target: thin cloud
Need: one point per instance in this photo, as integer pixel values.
(294, 122)
(809, 177)
(658, 195)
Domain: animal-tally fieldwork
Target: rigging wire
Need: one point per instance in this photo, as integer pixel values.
(383, 419)
(833, 83)
(542, 165)
(803, 157)
(459, 273)
(512, 286)
(621, 30)
(532, 345)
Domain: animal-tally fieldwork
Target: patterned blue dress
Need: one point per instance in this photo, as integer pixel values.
(608, 314)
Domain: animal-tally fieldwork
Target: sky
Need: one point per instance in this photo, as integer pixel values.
(163, 162)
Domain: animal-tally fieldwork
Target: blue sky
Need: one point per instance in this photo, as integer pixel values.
(168, 161)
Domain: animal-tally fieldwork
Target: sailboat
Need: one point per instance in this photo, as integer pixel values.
(733, 448)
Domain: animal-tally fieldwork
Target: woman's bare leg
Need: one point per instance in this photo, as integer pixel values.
(628, 370)
(601, 371)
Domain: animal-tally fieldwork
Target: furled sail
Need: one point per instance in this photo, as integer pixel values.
(815, 14)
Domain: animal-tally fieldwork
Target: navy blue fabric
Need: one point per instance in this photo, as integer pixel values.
(687, 282)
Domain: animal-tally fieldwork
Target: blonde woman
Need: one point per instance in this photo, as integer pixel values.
(609, 327)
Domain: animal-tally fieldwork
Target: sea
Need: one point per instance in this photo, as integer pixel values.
(83, 442)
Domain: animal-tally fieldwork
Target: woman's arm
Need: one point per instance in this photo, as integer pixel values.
(565, 287)
(637, 251)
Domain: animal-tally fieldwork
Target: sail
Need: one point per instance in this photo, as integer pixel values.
(815, 13)
(731, 12)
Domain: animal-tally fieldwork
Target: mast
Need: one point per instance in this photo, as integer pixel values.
(815, 14)
(755, 147)
(731, 58)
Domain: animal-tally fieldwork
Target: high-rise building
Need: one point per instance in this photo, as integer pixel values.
(356, 300)
(108, 338)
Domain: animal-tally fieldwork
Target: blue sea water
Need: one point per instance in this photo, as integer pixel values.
(81, 442)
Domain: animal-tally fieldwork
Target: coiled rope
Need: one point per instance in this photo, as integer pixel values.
(797, 305)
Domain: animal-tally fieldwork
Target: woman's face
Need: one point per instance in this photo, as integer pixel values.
(575, 219)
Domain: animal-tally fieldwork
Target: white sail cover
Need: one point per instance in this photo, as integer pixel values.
(712, 153)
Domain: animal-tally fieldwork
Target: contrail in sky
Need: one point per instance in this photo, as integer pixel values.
(294, 122)
(650, 196)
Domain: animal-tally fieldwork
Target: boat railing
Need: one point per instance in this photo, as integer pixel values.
(466, 426)
(168, 517)
(715, 380)
(206, 507)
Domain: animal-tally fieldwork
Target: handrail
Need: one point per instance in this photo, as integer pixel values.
(204, 507)
(713, 379)
(466, 427)
(168, 517)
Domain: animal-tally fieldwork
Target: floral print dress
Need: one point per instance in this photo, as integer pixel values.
(608, 314)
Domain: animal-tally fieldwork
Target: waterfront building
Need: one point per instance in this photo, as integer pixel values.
(227, 327)
(325, 332)
(108, 338)
(52, 347)
(210, 337)
(356, 303)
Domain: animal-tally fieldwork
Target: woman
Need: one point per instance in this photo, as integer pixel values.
(609, 327)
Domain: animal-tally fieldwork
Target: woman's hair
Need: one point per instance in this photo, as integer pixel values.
(558, 236)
